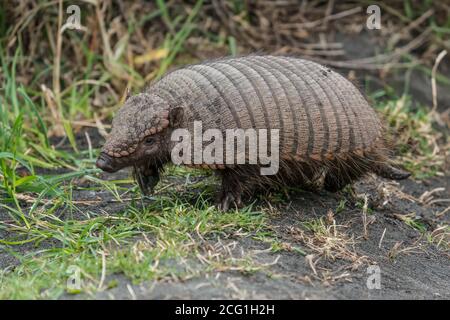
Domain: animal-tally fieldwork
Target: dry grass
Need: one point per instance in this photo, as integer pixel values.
(328, 241)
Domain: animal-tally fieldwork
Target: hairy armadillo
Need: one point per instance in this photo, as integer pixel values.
(327, 130)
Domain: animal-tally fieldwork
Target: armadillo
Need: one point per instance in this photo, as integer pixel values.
(328, 132)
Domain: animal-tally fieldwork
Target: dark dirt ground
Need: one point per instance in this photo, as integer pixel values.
(421, 272)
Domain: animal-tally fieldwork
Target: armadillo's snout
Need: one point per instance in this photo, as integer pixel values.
(106, 163)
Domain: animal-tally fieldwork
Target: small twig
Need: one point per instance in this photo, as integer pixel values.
(50, 99)
(105, 38)
(439, 201)
(336, 16)
(440, 214)
(57, 60)
(328, 12)
(426, 197)
(88, 124)
(88, 139)
(406, 30)
(100, 126)
(381, 239)
(433, 78)
(309, 258)
(131, 291)
(102, 278)
(364, 217)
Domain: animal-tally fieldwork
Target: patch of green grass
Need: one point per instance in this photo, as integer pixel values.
(341, 205)
(279, 246)
(317, 226)
(414, 222)
(145, 241)
(413, 135)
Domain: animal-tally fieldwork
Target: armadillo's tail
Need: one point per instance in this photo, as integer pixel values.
(387, 171)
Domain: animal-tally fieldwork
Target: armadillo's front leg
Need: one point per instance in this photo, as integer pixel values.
(147, 177)
(230, 194)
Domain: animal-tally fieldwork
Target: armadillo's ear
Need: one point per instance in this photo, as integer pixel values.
(176, 116)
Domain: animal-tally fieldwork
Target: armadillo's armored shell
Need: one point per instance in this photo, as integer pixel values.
(320, 114)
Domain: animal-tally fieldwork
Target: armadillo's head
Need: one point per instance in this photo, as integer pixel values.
(139, 134)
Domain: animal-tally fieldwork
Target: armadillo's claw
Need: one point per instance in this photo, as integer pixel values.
(389, 172)
(229, 200)
(147, 179)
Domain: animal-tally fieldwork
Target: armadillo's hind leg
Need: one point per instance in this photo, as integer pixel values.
(231, 192)
(337, 180)
(333, 183)
(386, 171)
(340, 175)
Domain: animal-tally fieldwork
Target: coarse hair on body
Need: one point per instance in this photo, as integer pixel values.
(329, 136)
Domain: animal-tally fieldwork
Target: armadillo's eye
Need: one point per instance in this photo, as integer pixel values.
(149, 141)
